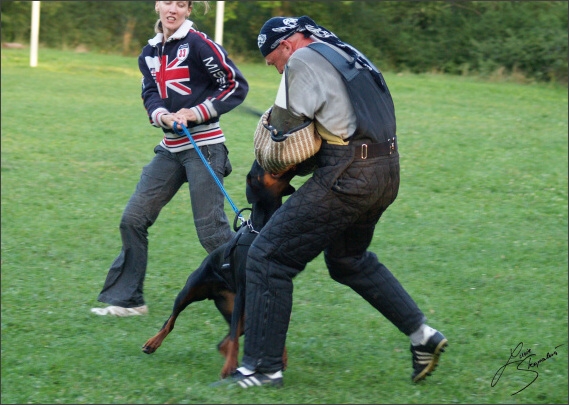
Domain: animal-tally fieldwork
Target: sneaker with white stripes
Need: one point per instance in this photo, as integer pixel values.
(238, 379)
(426, 357)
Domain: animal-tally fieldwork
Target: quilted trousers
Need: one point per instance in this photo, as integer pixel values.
(334, 212)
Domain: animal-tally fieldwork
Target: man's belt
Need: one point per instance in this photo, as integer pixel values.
(372, 150)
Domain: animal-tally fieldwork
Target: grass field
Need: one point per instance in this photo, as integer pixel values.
(478, 236)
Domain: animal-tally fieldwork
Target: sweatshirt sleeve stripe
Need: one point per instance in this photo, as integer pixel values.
(204, 111)
(156, 117)
(232, 83)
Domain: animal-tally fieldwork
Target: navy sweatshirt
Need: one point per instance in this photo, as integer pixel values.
(189, 71)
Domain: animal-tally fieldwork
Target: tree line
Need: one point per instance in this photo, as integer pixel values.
(528, 38)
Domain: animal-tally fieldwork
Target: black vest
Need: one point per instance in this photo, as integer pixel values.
(371, 99)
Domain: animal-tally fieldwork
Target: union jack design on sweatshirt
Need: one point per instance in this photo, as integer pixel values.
(189, 71)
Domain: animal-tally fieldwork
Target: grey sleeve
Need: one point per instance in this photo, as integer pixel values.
(316, 91)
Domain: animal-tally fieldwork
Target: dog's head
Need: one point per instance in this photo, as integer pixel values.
(265, 191)
(264, 186)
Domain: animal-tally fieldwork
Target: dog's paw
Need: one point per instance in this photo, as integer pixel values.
(149, 347)
(225, 374)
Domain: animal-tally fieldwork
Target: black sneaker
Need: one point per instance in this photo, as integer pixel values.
(237, 379)
(426, 357)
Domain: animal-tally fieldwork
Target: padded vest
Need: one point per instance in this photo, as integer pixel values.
(371, 99)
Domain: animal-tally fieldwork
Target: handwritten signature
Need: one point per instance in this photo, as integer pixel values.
(526, 361)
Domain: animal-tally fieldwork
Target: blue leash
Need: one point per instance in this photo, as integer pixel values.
(202, 157)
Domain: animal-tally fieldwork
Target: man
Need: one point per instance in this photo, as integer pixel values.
(336, 210)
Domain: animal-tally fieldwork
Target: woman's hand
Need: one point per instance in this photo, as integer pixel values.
(167, 120)
(187, 114)
(181, 118)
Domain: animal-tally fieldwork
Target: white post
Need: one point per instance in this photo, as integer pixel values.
(34, 40)
(220, 11)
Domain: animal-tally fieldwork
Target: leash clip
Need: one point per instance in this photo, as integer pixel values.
(364, 151)
(250, 226)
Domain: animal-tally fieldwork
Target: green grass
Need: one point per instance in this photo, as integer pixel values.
(478, 236)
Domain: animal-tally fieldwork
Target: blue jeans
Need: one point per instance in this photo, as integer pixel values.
(159, 182)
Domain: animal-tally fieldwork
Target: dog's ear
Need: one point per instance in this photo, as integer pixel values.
(256, 170)
(252, 189)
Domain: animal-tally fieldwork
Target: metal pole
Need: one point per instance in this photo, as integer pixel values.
(34, 40)
(220, 11)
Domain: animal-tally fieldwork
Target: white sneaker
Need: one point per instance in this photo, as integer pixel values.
(120, 311)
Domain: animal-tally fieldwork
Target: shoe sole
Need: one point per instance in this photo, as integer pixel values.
(121, 312)
(433, 363)
(247, 382)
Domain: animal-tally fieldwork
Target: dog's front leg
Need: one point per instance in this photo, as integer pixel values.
(230, 349)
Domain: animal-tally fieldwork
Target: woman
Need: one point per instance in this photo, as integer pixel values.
(187, 79)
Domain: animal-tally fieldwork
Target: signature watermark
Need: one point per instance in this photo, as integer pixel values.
(526, 361)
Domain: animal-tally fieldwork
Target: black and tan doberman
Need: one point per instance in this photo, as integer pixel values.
(221, 275)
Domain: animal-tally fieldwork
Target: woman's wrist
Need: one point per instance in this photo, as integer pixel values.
(165, 123)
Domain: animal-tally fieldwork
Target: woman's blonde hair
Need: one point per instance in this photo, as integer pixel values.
(158, 26)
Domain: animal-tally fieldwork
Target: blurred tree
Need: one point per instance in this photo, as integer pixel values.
(457, 37)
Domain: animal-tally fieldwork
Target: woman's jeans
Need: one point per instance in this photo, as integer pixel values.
(159, 182)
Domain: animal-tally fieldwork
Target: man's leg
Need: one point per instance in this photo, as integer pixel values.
(350, 263)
